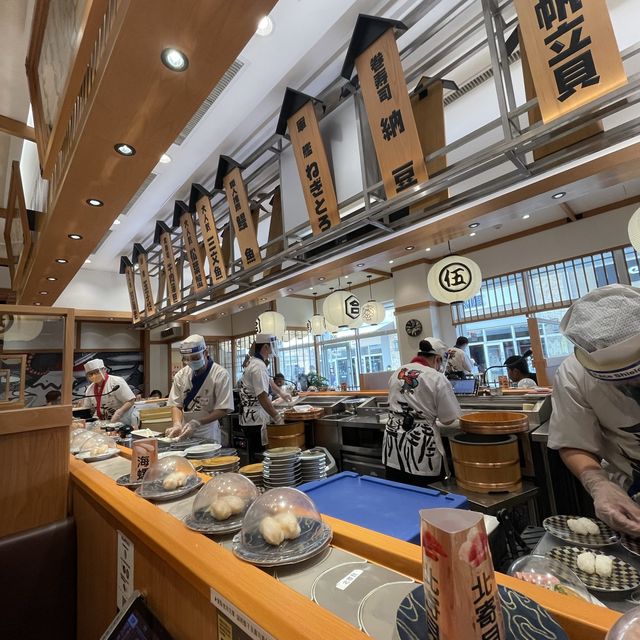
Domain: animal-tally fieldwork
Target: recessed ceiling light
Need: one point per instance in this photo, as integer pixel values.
(473, 233)
(428, 249)
(322, 278)
(116, 221)
(94, 202)
(124, 149)
(409, 248)
(51, 279)
(289, 289)
(526, 216)
(242, 306)
(262, 299)
(165, 159)
(311, 288)
(265, 26)
(474, 225)
(87, 261)
(560, 194)
(43, 293)
(390, 261)
(174, 59)
(222, 313)
(360, 264)
(37, 304)
(74, 236)
(61, 261)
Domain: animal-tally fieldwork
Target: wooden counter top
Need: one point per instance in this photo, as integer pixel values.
(205, 564)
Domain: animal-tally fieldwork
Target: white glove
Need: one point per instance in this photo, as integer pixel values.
(174, 432)
(286, 397)
(189, 428)
(279, 419)
(612, 504)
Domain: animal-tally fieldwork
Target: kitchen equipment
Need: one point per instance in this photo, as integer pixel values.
(287, 435)
(281, 467)
(494, 422)
(486, 464)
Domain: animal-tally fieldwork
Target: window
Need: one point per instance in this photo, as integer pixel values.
(633, 265)
(296, 354)
(242, 345)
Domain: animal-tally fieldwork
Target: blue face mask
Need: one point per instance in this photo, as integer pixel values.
(198, 364)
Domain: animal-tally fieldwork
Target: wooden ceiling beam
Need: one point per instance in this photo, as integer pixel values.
(570, 213)
(17, 128)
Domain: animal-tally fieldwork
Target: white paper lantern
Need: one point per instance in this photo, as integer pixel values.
(23, 329)
(341, 308)
(454, 279)
(634, 230)
(354, 324)
(331, 328)
(373, 312)
(271, 322)
(317, 325)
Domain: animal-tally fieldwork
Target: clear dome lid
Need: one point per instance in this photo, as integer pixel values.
(627, 627)
(550, 574)
(74, 435)
(169, 474)
(225, 496)
(95, 444)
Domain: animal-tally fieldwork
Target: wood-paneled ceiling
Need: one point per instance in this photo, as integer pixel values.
(140, 102)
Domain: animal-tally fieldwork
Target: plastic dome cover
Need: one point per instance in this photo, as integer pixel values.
(74, 436)
(168, 473)
(627, 627)
(96, 444)
(225, 496)
(279, 515)
(84, 441)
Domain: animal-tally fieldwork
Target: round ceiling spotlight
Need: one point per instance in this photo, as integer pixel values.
(94, 202)
(474, 225)
(174, 60)
(124, 149)
(165, 159)
(560, 194)
(37, 304)
(428, 249)
(74, 236)
(87, 261)
(409, 248)
(51, 279)
(360, 264)
(526, 216)
(322, 278)
(473, 233)
(61, 261)
(43, 293)
(265, 27)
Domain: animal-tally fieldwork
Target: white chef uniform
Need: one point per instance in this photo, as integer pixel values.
(459, 361)
(596, 417)
(424, 394)
(254, 381)
(110, 400)
(215, 393)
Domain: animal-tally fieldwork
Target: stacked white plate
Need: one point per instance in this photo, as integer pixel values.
(202, 451)
(314, 465)
(281, 467)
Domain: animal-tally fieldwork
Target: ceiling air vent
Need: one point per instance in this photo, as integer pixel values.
(224, 82)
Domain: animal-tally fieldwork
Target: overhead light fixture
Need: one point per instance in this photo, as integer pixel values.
(74, 236)
(61, 261)
(265, 26)
(37, 304)
(262, 299)
(222, 313)
(473, 233)
(165, 159)
(87, 261)
(322, 278)
(43, 293)
(94, 202)
(311, 288)
(526, 216)
(124, 149)
(116, 221)
(241, 306)
(474, 225)
(428, 249)
(390, 261)
(409, 248)
(560, 194)
(51, 279)
(360, 264)
(289, 289)
(174, 60)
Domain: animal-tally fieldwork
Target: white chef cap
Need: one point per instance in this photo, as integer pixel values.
(265, 338)
(438, 347)
(604, 326)
(93, 365)
(193, 344)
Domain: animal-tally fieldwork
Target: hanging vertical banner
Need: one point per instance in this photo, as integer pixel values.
(162, 237)
(230, 179)
(374, 52)
(140, 256)
(182, 217)
(126, 267)
(572, 52)
(200, 201)
(298, 114)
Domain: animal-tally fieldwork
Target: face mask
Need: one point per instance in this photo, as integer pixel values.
(198, 364)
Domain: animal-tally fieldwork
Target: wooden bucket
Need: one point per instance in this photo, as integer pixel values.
(486, 464)
(494, 422)
(286, 435)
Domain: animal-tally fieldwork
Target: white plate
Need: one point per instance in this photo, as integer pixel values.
(166, 454)
(87, 457)
(200, 450)
(145, 433)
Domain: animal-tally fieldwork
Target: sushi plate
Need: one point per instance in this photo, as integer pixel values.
(87, 457)
(623, 576)
(557, 526)
(632, 545)
(154, 491)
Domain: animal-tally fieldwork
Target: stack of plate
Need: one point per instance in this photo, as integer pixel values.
(221, 464)
(282, 467)
(254, 473)
(314, 465)
(201, 451)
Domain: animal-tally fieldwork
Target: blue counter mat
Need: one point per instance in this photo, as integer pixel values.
(381, 505)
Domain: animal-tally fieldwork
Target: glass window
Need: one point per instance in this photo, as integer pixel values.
(242, 346)
(633, 265)
(296, 355)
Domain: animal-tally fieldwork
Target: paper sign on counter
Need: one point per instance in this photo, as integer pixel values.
(239, 618)
(348, 579)
(124, 570)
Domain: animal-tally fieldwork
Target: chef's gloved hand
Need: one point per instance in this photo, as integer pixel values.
(117, 415)
(189, 428)
(612, 504)
(286, 396)
(175, 431)
(279, 419)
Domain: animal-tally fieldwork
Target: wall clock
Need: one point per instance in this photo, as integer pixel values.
(413, 327)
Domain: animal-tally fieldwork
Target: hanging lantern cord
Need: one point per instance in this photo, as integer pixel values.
(370, 291)
(449, 245)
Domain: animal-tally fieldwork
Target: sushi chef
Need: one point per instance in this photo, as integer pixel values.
(109, 395)
(200, 395)
(595, 423)
(419, 394)
(257, 408)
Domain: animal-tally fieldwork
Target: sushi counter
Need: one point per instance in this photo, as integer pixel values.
(198, 586)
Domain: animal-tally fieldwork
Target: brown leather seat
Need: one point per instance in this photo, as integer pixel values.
(38, 583)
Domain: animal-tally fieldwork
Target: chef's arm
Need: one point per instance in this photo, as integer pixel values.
(578, 461)
(176, 416)
(117, 416)
(276, 389)
(266, 404)
(216, 414)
